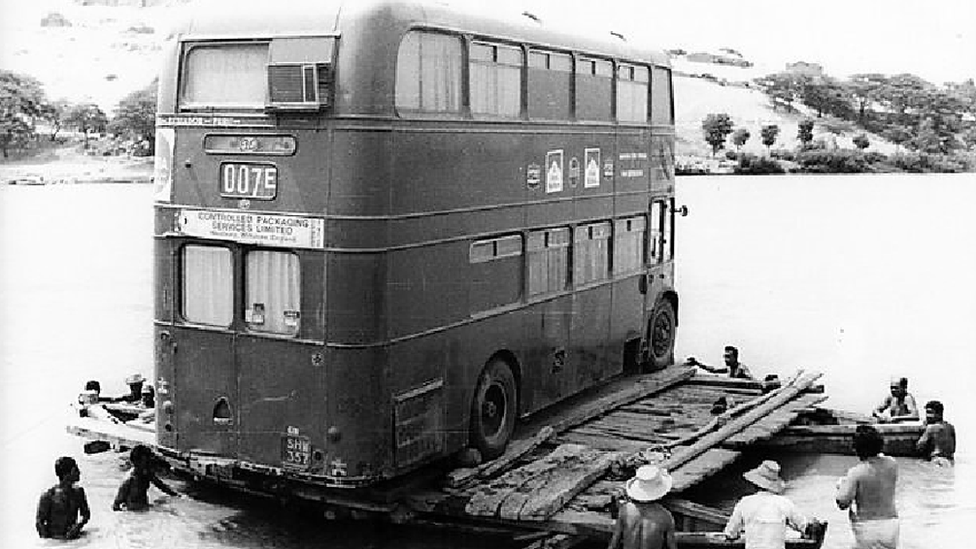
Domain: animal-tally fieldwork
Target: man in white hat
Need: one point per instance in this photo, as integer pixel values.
(643, 523)
(765, 514)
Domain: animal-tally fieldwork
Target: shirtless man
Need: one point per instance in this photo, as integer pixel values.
(938, 442)
(899, 405)
(868, 491)
(59, 507)
(733, 367)
(644, 523)
(133, 494)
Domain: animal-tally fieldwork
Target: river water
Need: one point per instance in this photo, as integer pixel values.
(859, 277)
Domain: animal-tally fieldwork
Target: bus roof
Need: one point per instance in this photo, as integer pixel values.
(268, 19)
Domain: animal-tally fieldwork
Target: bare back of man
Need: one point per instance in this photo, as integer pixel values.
(645, 526)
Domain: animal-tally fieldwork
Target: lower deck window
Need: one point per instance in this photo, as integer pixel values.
(272, 292)
(207, 285)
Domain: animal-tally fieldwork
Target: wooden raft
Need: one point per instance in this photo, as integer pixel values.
(558, 483)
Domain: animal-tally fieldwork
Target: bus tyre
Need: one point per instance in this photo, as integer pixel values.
(662, 329)
(493, 409)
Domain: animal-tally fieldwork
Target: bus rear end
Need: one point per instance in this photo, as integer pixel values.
(244, 149)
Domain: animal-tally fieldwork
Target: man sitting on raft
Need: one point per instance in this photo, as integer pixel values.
(899, 405)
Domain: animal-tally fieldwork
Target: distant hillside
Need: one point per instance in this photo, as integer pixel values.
(702, 88)
(101, 50)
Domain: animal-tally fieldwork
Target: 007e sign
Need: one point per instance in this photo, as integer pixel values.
(248, 180)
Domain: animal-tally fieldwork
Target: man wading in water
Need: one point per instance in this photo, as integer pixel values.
(868, 491)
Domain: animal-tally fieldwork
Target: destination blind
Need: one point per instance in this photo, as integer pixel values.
(286, 231)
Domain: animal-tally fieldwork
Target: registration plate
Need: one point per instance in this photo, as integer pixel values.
(296, 451)
(249, 180)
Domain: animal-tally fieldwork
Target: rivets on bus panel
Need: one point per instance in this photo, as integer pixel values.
(243, 204)
(187, 164)
(168, 407)
(334, 434)
(317, 359)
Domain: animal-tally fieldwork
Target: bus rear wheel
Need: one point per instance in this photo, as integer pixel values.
(662, 328)
(493, 409)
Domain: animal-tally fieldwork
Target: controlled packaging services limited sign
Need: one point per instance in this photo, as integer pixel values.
(287, 231)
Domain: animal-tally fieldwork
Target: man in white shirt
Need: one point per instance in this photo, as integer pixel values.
(765, 514)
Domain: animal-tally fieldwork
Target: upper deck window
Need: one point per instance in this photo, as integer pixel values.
(428, 73)
(229, 75)
(632, 81)
(549, 85)
(594, 84)
(496, 80)
(662, 110)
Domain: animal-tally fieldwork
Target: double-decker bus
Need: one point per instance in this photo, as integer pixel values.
(385, 230)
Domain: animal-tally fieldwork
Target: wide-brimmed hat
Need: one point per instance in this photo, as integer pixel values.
(650, 483)
(134, 378)
(766, 476)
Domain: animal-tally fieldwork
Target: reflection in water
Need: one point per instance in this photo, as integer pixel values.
(861, 277)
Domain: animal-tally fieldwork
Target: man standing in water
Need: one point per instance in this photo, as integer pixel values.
(643, 522)
(899, 405)
(938, 442)
(59, 508)
(868, 491)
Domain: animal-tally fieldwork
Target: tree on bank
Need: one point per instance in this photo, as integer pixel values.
(22, 103)
(86, 117)
(739, 138)
(804, 132)
(135, 117)
(861, 141)
(769, 133)
(716, 127)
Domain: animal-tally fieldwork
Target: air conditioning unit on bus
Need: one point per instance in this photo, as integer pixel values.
(300, 74)
(300, 86)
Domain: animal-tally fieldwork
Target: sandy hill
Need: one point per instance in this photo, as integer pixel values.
(101, 50)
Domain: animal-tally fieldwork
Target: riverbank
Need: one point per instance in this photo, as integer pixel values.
(70, 164)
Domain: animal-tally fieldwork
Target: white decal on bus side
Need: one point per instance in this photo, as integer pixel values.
(554, 171)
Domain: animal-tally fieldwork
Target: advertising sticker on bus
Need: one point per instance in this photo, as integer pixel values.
(592, 161)
(554, 171)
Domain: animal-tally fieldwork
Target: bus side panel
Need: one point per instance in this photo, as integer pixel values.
(359, 411)
(440, 170)
(355, 286)
(428, 287)
(545, 376)
(457, 356)
(360, 181)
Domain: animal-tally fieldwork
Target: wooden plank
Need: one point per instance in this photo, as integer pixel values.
(640, 388)
(773, 423)
(602, 443)
(485, 499)
(459, 478)
(552, 497)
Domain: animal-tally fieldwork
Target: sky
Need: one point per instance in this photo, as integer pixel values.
(935, 39)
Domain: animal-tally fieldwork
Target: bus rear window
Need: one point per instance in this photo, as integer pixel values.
(207, 285)
(225, 76)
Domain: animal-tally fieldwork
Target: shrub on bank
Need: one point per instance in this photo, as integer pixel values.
(750, 164)
(835, 161)
(916, 162)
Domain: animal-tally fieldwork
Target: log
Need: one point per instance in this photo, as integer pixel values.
(782, 395)
(552, 497)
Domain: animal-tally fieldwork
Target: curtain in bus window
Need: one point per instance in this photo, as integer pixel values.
(208, 285)
(429, 73)
(548, 261)
(273, 295)
(227, 75)
(661, 112)
(594, 82)
(496, 80)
